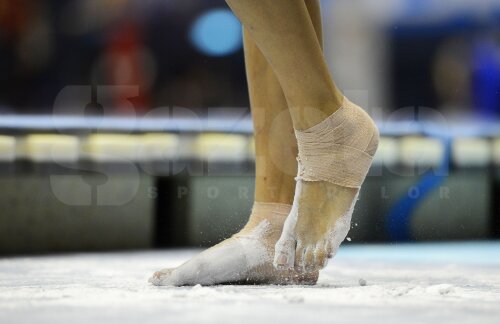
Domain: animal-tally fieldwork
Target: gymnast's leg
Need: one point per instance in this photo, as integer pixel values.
(336, 138)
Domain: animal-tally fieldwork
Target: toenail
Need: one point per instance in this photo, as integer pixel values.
(282, 260)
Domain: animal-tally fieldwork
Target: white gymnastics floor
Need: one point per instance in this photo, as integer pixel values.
(438, 283)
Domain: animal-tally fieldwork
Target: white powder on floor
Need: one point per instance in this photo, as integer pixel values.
(408, 283)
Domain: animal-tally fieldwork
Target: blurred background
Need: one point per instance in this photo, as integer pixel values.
(125, 124)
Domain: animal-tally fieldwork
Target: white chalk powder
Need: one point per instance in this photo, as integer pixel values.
(409, 283)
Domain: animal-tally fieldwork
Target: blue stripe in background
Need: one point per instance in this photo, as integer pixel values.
(398, 220)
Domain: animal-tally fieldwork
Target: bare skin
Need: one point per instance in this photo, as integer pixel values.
(321, 204)
(284, 32)
(276, 151)
(275, 142)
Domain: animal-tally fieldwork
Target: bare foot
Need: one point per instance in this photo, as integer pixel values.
(246, 257)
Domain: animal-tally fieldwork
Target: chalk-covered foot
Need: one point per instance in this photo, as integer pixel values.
(245, 258)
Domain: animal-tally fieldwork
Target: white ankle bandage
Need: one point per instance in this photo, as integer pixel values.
(339, 149)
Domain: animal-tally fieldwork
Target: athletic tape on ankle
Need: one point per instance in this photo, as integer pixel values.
(339, 149)
(260, 208)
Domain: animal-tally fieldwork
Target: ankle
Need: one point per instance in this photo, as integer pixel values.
(339, 149)
(305, 117)
(274, 213)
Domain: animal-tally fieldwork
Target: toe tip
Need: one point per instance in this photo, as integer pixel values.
(153, 281)
(281, 262)
(155, 278)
